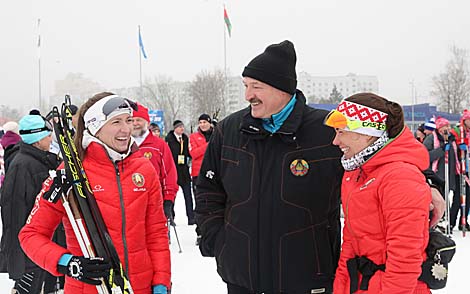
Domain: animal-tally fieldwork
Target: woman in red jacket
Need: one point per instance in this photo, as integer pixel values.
(385, 198)
(127, 191)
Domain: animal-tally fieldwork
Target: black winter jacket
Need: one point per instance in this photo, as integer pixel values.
(175, 147)
(270, 230)
(23, 181)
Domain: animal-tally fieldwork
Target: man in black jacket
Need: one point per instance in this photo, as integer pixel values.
(179, 146)
(268, 190)
(23, 181)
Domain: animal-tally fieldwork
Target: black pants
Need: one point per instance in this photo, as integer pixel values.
(234, 289)
(198, 232)
(31, 282)
(455, 208)
(188, 201)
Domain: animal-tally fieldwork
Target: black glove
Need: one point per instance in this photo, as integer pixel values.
(168, 209)
(87, 270)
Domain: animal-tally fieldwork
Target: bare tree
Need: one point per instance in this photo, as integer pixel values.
(207, 93)
(452, 87)
(7, 113)
(163, 93)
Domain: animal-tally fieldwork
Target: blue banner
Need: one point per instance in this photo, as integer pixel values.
(156, 117)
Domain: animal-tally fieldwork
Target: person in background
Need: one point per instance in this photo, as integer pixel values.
(436, 143)
(23, 181)
(462, 130)
(429, 126)
(155, 129)
(419, 134)
(124, 185)
(197, 147)
(385, 198)
(8, 141)
(74, 110)
(159, 154)
(179, 146)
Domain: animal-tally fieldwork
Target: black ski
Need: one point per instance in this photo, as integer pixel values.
(84, 203)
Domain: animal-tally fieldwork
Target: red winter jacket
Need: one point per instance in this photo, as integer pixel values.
(197, 148)
(160, 156)
(138, 231)
(386, 206)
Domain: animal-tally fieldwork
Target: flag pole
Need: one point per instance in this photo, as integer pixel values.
(39, 64)
(225, 59)
(140, 67)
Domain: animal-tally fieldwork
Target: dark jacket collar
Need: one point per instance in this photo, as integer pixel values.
(48, 158)
(253, 126)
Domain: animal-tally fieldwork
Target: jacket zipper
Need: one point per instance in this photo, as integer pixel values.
(123, 217)
(346, 213)
(437, 256)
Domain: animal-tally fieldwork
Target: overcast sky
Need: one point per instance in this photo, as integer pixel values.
(398, 41)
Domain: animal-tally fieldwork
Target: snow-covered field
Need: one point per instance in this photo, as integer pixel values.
(192, 273)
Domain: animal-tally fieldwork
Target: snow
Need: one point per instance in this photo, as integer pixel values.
(192, 273)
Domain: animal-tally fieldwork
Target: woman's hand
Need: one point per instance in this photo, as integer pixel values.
(437, 207)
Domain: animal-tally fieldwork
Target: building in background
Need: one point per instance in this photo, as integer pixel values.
(414, 114)
(235, 94)
(317, 88)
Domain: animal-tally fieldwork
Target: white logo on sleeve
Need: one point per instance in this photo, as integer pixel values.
(210, 174)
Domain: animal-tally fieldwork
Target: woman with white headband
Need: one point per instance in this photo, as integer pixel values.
(385, 198)
(127, 191)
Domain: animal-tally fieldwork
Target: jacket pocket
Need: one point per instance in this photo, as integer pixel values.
(237, 173)
(233, 257)
(306, 260)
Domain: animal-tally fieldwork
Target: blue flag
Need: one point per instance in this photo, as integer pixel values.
(141, 44)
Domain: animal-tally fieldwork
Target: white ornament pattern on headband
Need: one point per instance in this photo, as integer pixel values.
(361, 112)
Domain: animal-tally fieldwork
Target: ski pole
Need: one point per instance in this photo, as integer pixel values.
(169, 230)
(446, 178)
(463, 185)
(177, 239)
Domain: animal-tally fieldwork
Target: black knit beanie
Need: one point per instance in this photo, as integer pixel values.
(177, 123)
(205, 117)
(275, 67)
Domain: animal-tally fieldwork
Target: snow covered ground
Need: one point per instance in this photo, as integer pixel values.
(193, 273)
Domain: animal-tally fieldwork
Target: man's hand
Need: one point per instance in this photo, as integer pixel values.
(168, 209)
(437, 207)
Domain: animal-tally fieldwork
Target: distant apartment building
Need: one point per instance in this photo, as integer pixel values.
(320, 87)
(235, 95)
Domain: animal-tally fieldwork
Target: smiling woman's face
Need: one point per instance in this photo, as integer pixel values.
(116, 133)
(351, 143)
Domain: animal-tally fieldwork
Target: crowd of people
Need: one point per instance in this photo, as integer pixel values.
(264, 188)
(442, 140)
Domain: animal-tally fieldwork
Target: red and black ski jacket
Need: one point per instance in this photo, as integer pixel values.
(125, 193)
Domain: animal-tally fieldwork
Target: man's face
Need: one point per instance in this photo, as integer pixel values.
(155, 131)
(444, 130)
(75, 120)
(45, 143)
(264, 99)
(139, 126)
(179, 130)
(204, 125)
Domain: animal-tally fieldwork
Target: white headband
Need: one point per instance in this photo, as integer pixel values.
(105, 109)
